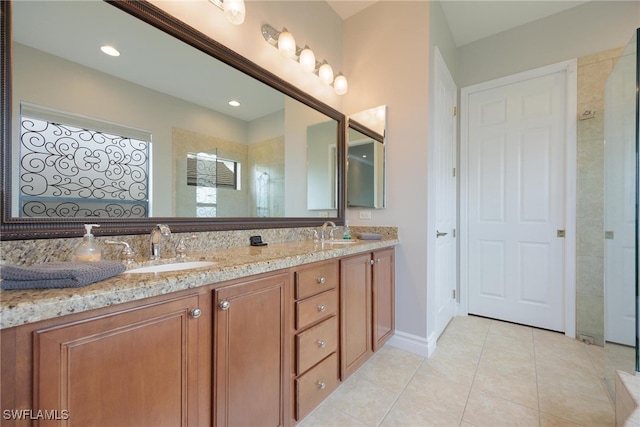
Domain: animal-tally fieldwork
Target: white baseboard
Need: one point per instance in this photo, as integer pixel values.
(413, 343)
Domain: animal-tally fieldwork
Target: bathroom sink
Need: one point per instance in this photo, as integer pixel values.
(176, 266)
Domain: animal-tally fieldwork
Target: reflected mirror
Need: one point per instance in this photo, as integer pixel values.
(366, 159)
(153, 132)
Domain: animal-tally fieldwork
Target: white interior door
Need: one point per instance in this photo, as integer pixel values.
(444, 164)
(620, 189)
(516, 148)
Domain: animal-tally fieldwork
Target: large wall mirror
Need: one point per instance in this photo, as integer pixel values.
(150, 136)
(366, 159)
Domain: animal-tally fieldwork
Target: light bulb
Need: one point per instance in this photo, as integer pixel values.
(234, 11)
(307, 59)
(286, 43)
(340, 85)
(326, 73)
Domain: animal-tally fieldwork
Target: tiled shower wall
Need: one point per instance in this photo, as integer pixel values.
(593, 71)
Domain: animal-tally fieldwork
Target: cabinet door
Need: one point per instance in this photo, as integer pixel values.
(133, 368)
(355, 312)
(251, 352)
(383, 297)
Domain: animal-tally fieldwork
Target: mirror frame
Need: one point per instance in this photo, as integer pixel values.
(16, 228)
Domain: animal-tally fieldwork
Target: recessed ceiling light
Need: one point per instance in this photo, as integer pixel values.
(364, 156)
(110, 50)
(234, 103)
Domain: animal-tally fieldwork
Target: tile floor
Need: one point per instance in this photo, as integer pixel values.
(483, 373)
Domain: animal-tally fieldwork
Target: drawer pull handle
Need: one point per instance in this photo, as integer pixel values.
(321, 308)
(321, 280)
(224, 305)
(196, 312)
(321, 344)
(321, 385)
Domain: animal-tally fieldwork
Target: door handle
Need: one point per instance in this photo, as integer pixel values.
(440, 234)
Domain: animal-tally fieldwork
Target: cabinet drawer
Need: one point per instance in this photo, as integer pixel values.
(316, 343)
(316, 308)
(314, 386)
(317, 279)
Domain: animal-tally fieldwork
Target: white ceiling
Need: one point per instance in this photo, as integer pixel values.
(472, 20)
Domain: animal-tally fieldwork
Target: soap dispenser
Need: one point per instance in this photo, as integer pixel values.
(346, 234)
(88, 250)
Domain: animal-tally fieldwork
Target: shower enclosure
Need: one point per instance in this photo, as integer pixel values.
(621, 214)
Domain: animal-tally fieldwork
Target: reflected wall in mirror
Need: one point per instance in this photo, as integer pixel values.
(150, 133)
(621, 214)
(322, 178)
(366, 159)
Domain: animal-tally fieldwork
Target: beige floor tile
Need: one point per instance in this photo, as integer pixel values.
(450, 368)
(327, 415)
(458, 349)
(508, 344)
(491, 411)
(574, 407)
(509, 363)
(519, 387)
(548, 420)
(411, 413)
(390, 368)
(363, 400)
(573, 380)
(512, 330)
(437, 392)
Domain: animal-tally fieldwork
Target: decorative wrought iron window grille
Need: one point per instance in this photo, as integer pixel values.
(207, 172)
(68, 170)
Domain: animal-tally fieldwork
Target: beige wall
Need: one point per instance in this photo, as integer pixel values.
(386, 50)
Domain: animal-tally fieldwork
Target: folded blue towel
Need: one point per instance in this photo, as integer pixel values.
(58, 274)
(369, 236)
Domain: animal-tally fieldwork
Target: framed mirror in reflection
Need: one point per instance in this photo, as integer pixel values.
(366, 159)
(176, 127)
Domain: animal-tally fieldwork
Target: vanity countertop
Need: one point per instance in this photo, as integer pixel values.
(18, 307)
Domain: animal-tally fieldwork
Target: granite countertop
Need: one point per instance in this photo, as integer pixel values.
(19, 307)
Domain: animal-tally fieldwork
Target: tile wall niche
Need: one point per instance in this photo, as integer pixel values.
(593, 71)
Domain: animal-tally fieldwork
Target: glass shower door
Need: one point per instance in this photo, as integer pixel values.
(621, 215)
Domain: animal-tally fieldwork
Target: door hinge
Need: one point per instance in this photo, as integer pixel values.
(454, 294)
(608, 235)
(454, 232)
(560, 233)
(455, 110)
(454, 172)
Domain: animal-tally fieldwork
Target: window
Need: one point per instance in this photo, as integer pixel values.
(207, 172)
(73, 166)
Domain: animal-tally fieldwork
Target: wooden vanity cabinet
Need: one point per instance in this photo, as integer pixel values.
(251, 345)
(315, 374)
(383, 296)
(137, 367)
(366, 307)
(355, 313)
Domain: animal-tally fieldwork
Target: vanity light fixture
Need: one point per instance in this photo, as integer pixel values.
(234, 10)
(234, 103)
(110, 50)
(286, 44)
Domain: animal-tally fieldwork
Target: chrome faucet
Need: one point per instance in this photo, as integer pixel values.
(323, 232)
(156, 235)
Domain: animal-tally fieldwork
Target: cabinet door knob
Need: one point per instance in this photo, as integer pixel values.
(321, 385)
(224, 305)
(371, 262)
(321, 308)
(377, 260)
(196, 312)
(321, 280)
(321, 344)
